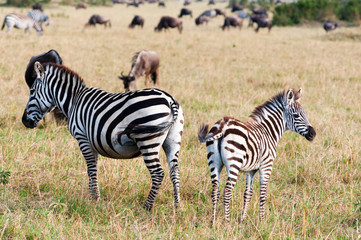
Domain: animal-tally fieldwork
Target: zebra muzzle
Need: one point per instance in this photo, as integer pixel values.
(28, 122)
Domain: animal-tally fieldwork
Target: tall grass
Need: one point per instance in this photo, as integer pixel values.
(314, 192)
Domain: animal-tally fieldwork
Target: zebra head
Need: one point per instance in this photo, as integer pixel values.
(295, 116)
(39, 103)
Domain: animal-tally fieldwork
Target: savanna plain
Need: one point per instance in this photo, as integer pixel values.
(314, 192)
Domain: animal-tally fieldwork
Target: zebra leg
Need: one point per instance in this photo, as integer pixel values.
(91, 159)
(231, 181)
(171, 148)
(264, 176)
(150, 154)
(248, 192)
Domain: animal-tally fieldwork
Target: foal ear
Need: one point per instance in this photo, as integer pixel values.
(290, 96)
(298, 95)
(39, 69)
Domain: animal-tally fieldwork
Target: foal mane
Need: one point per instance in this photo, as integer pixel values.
(66, 70)
(277, 100)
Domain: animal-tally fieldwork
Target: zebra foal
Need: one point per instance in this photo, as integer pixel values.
(252, 146)
(118, 126)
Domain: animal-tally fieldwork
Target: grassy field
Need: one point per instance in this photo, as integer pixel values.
(314, 192)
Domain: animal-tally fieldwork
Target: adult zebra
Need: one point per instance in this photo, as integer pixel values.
(251, 146)
(39, 17)
(119, 126)
(21, 22)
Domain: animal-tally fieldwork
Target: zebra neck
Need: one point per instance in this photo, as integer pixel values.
(273, 124)
(65, 90)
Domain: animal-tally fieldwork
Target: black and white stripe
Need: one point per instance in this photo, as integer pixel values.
(252, 146)
(114, 125)
(39, 17)
(21, 22)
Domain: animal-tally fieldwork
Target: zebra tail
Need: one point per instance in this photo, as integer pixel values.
(203, 137)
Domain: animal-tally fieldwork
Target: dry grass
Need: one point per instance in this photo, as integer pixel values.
(315, 190)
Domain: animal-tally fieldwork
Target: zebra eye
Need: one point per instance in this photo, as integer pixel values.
(296, 115)
(32, 91)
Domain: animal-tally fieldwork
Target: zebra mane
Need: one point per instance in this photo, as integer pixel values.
(65, 70)
(277, 100)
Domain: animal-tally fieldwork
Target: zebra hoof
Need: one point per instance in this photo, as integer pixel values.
(147, 207)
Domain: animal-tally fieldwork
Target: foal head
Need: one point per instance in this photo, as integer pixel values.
(295, 116)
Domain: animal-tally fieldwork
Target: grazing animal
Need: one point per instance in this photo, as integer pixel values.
(120, 126)
(201, 20)
(233, 21)
(39, 17)
(37, 6)
(260, 11)
(134, 4)
(252, 146)
(161, 4)
(118, 1)
(21, 22)
(143, 62)
(81, 5)
(169, 22)
(97, 19)
(254, 18)
(137, 20)
(236, 8)
(187, 2)
(263, 23)
(213, 13)
(51, 56)
(185, 11)
(330, 26)
(211, 2)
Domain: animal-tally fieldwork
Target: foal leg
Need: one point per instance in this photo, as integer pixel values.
(248, 192)
(231, 181)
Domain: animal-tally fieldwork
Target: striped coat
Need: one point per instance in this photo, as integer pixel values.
(252, 146)
(114, 125)
(21, 22)
(39, 17)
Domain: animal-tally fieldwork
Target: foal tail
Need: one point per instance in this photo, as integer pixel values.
(154, 77)
(204, 136)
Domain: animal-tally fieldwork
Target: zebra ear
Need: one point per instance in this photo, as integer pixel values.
(298, 95)
(39, 69)
(290, 96)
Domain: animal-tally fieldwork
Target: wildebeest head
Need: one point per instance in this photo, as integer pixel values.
(128, 81)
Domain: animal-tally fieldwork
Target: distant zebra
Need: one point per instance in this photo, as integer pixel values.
(21, 22)
(120, 126)
(252, 146)
(40, 17)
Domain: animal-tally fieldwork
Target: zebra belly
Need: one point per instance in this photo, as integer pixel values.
(124, 149)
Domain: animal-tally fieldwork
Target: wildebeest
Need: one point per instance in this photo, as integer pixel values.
(118, 1)
(187, 2)
(143, 62)
(185, 11)
(201, 20)
(37, 6)
(236, 8)
(233, 21)
(21, 22)
(134, 4)
(161, 4)
(211, 2)
(169, 22)
(263, 23)
(81, 5)
(137, 20)
(254, 18)
(260, 11)
(330, 26)
(30, 75)
(97, 19)
(214, 13)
